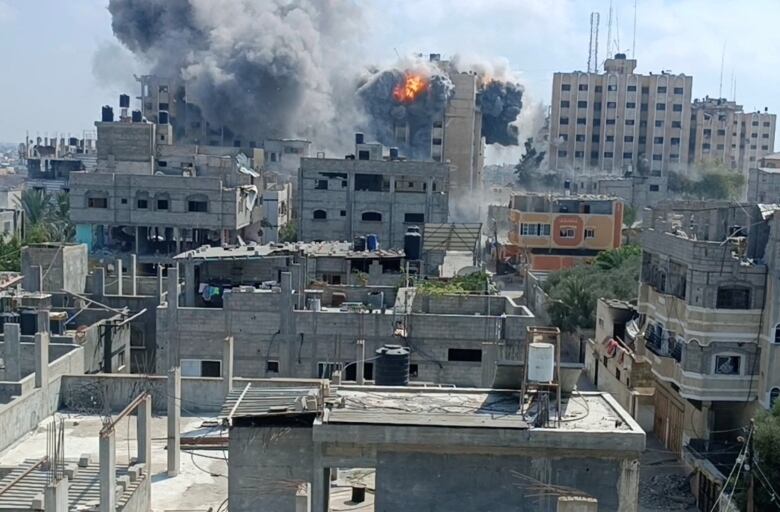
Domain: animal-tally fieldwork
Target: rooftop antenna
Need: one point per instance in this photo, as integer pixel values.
(617, 31)
(609, 32)
(593, 45)
(722, 61)
(733, 85)
(633, 43)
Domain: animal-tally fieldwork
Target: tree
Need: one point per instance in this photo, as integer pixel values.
(58, 215)
(34, 205)
(616, 258)
(766, 462)
(714, 181)
(288, 233)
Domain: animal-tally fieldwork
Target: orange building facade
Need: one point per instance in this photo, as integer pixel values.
(549, 233)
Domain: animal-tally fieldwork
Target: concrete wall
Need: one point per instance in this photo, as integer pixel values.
(63, 266)
(24, 413)
(56, 351)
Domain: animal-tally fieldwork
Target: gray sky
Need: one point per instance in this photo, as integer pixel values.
(48, 84)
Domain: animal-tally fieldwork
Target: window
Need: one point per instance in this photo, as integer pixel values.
(721, 132)
(371, 183)
(599, 88)
(605, 361)
(342, 213)
(566, 232)
(562, 153)
(564, 137)
(777, 333)
(534, 229)
(660, 107)
(611, 104)
(658, 140)
(632, 88)
(628, 155)
(163, 202)
(582, 104)
(659, 124)
(594, 138)
(608, 154)
(657, 158)
(469, 355)
(675, 141)
(617, 373)
(319, 215)
(564, 120)
(579, 154)
(321, 185)
(654, 188)
(271, 366)
(705, 146)
(719, 146)
(590, 233)
(610, 122)
(201, 368)
(580, 138)
(765, 147)
(566, 87)
(582, 120)
(677, 107)
(678, 90)
(564, 103)
(597, 106)
(371, 217)
(753, 135)
(727, 365)
(414, 217)
(733, 297)
(97, 201)
(661, 89)
(198, 203)
(364, 154)
(325, 369)
(766, 124)
(583, 87)
(436, 141)
(645, 90)
(629, 122)
(630, 104)
(414, 371)
(610, 138)
(754, 123)
(676, 124)
(764, 135)
(143, 204)
(612, 87)
(123, 201)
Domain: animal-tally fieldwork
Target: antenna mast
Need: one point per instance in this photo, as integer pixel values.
(633, 43)
(593, 45)
(609, 32)
(722, 61)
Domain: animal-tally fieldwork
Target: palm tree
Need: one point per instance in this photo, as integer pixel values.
(35, 208)
(58, 217)
(615, 258)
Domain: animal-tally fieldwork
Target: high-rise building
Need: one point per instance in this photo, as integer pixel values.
(620, 120)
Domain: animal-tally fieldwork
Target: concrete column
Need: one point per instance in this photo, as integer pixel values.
(160, 288)
(34, 282)
(177, 236)
(489, 359)
(12, 353)
(134, 273)
(172, 299)
(108, 472)
(189, 283)
(360, 357)
(227, 364)
(320, 489)
(119, 276)
(173, 287)
(137, 238)
(303, 498)
(41, 359)
(56, 496)
(144, 432)
(577, 504)
(42, 321)
(100, 282)
(174, 420)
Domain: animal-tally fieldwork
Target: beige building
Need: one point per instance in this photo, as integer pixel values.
(722, 132)
(620, 120)
(461, 135)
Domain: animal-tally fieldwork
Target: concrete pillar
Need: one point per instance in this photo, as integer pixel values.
(173, 287)
(174, 420)
(577, 504)
(42, 321)
(227, 364)
(144, 432)
(56, 496)
(172, 300)
(12, 353)
(41, 359)
(320, 489)
(360, 358)
(189, 283)
(134, 274)
(160, 288)
(119, 287)
(108, 472)
(303, 498)
(100, 282)
(177, 236)
(34, 282)
(489, 359)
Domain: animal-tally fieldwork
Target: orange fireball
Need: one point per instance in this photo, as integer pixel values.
(410, 89)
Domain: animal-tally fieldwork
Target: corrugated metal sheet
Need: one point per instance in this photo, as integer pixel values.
(451, 237)
(250, 402)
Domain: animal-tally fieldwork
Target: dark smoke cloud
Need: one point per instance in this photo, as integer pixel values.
(264, 68)
(385, 112)
(501, 104)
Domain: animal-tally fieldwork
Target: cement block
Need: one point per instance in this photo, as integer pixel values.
(85, 460)
(133, 473)
(37, 502)
(123, 482)
(71, 470)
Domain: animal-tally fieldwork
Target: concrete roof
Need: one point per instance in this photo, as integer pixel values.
(451, 236)
(310, 249)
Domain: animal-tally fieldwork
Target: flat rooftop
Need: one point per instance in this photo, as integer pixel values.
(201, 483)
(334, 249)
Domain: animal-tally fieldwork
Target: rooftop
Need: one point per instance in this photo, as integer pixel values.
(310, 249)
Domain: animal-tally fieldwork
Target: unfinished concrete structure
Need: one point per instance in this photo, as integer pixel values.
(50, 161)
(155, 200)
(432, 449)
(636, 191)
(339, 199)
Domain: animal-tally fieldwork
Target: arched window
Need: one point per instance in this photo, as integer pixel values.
(320, 215)
(371, 216)
(162, 201)
(733, 297)
(774, 394)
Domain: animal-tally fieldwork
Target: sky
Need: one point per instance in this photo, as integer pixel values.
(50, 85)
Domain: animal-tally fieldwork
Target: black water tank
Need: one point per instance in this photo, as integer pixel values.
(393, 153)
(359, 244)
(124, 101)
(359, 138)
(73, 141)
(8, 317)
(392, 366)
(413, 244)
(137, 117)
(163, 117)
(28, 322)
(107, 114)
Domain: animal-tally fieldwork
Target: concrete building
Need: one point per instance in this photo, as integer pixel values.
(370, 194)
(636, 191)
(277, 204)
(275, 336)
(722, 132)
(283, 156)
(709, 312)
(437, 450)
(155, 199)
(548, 233)
(50, 161)
(460, 136)
(763, 180)
(619, 120)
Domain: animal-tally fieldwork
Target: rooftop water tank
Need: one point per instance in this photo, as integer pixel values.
(392, 366)
(372, 242)
(541, 362)
(359, 243)
(162, 117)
(107, 114)
(413, 244)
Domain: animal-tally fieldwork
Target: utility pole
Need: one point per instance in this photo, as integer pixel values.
(749, 458)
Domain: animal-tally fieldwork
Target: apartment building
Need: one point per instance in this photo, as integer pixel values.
(369, 193)
(549, 233)
(722, 132)
(709, 317)
(620, 120)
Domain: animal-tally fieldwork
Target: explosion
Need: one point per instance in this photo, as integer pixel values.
(410, 89)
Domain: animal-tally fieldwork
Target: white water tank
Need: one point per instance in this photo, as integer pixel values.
(541, 362)
(315, 304)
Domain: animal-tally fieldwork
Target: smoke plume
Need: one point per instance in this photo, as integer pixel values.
(264, 69)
